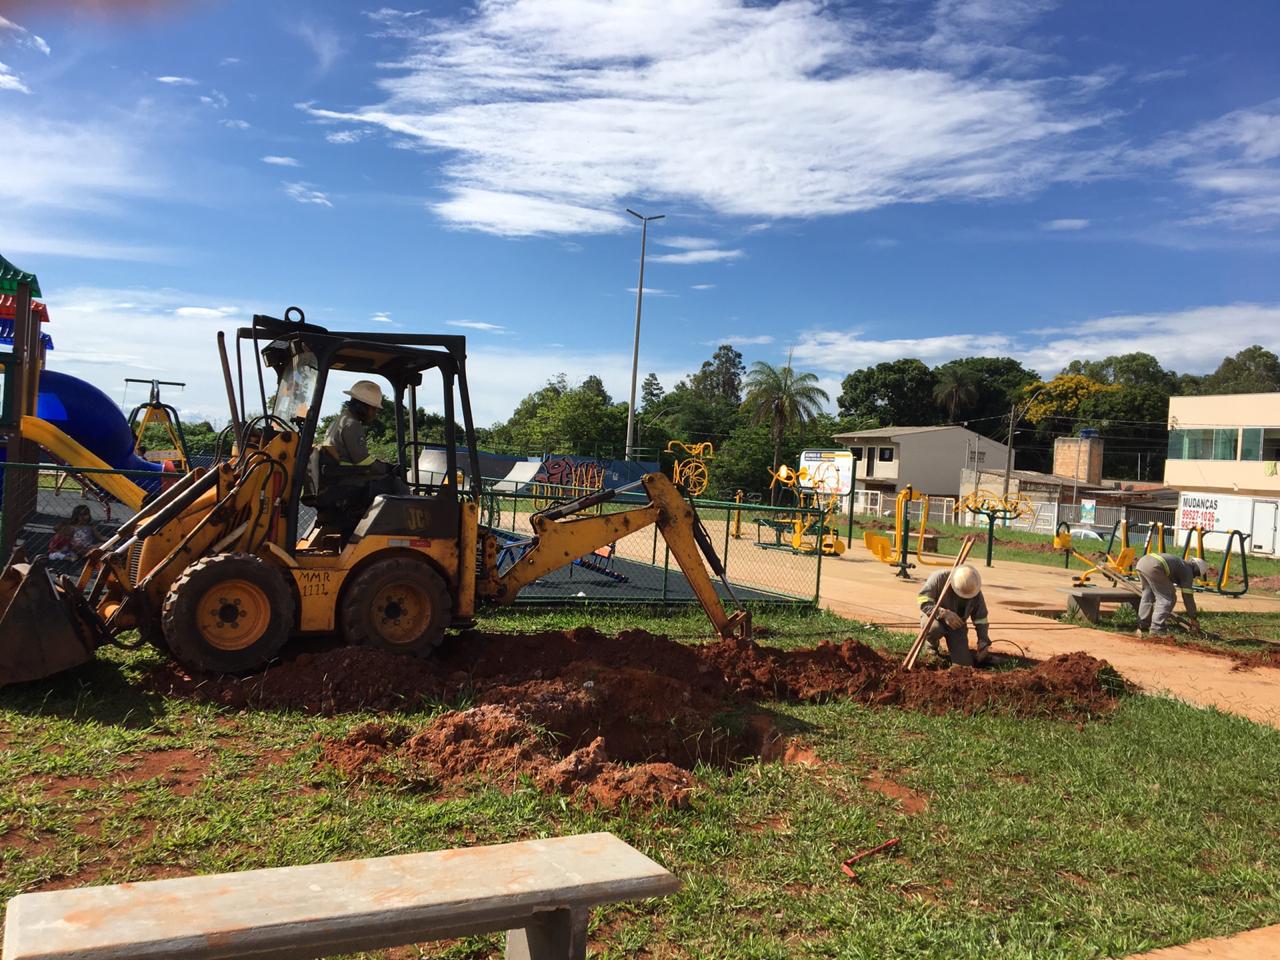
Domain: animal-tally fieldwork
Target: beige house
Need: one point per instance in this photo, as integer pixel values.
(929, 458)
(1224, 458)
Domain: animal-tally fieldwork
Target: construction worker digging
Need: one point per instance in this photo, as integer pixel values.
(1160, 574)
(962, 603)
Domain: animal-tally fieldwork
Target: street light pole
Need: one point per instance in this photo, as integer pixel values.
(1014, 416)
(635, 350)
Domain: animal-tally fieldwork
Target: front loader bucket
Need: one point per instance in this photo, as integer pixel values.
(42, 629)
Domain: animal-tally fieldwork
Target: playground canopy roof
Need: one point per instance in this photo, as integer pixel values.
(11, 276)
(9, 307)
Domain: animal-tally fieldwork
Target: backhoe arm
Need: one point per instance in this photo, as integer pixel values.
(560, 537)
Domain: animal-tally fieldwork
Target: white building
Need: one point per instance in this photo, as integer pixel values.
(1224, 458)
(930, 459)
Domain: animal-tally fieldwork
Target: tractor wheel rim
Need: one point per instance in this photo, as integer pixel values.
(401, 612)
(233, 615)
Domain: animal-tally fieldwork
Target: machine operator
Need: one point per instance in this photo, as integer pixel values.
(345, 440)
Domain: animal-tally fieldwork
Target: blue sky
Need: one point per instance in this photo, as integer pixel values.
(847, 182)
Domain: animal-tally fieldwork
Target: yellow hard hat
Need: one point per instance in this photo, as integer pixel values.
(367, 392)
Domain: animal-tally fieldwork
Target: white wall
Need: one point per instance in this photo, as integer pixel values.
(932, 461)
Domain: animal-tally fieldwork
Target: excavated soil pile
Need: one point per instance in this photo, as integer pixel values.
(613, 718)
(502, 745)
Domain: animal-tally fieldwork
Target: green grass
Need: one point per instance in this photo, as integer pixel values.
(1235, 632)
(1041, 839)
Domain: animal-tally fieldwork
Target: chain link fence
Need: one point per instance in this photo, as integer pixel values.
(770, 554)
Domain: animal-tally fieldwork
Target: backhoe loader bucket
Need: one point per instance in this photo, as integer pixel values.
(43, 631)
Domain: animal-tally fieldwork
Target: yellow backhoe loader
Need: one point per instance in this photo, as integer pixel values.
(216, 571)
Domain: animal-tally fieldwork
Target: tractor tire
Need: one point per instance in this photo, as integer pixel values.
(229, 613)
(397, 604)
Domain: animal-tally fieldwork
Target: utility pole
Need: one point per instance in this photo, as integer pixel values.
(635, 350)
(1014, 416)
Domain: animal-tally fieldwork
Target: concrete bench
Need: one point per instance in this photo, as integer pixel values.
(539, 891)
(1087, 602)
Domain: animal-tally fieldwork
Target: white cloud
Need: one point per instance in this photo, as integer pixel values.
(651, 292)
(105, 334)
(11, 81)
(703, 286)
(177, 81)
(1067, 224)
(697, 256)
(25, 37)
(745, 109)
(1232, 162)
(347, 136)
(216, 99)
(477, 325)
(383, 317)
(281, 161)
(235, 124)
(46, 168)
(514, 214)
(881, 243)
(228, 61)
(1192, 341)
(74, 242)
(686, 243)
(305, 193)
(740, 340)
(324, 42)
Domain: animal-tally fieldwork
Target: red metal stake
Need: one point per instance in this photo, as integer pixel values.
(848, 871)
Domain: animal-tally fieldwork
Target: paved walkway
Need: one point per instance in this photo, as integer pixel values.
(859, 586)
(1250, 945)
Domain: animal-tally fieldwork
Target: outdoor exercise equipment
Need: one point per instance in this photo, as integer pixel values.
(995, 509)
(156, 412)
(895, 552)
(1235, 538)
(689, 469)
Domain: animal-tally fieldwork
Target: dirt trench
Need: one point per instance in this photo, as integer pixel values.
(615, 718)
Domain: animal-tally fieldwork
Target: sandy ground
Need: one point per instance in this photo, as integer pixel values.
(859, 586)
(1251, 945)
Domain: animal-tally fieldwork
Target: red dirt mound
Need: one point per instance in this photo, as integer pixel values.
(496, 743)
(622, 717)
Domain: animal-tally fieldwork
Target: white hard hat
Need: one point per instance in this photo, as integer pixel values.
(965, 582)
(367, 392)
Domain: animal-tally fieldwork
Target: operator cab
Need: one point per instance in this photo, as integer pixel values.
(304, 356)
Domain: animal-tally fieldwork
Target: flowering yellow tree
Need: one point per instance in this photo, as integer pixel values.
(1061, 397)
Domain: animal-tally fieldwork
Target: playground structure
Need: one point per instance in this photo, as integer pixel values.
(73, 421)
(995, 510)
(688, 467)
(155, 412)
(1120, 564)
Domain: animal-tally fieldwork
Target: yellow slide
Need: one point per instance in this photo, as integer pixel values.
(60, 445)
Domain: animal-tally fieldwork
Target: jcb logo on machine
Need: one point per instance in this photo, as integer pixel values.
(314, 583)
(418, 518)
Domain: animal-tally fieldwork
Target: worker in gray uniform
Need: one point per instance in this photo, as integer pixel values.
(1162, 575)
(356, 477)
(963, 602)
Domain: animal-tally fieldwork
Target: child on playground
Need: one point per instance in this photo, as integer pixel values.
(74, 538)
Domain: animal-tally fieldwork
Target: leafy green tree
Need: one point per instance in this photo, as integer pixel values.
(651, 393)
(1126, 370)
(1253, 370)
(955, 387)
(721, 376)
(781, 398)
(896, 393)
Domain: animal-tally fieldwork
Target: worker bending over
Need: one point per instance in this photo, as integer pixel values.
(963, 602)
(1160, 573)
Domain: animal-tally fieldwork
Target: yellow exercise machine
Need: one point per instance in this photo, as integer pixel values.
(689, 468)
(994, 508)
(894, 552)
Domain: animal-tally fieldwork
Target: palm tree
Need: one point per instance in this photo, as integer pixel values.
(956, 387)
(781, 398)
